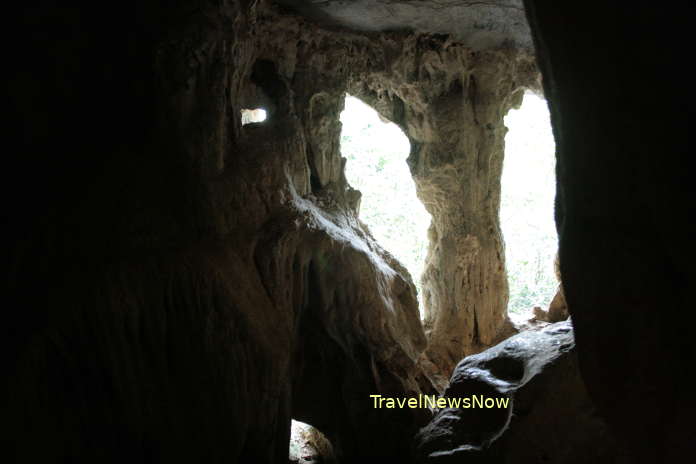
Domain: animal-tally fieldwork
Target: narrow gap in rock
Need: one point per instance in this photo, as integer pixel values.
(528, 188)
(376, 151)
(253, 115)
(308, 445)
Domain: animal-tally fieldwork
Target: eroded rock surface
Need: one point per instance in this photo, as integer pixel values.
(550, 417)
(450, 101)
(179, 286)
(479, 25)
(184, 284)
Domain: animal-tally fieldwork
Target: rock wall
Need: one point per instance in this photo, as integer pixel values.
(623, 211)
(180, 286)
(549, 416)
(451, 102)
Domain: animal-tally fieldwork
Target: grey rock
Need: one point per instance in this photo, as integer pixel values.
(477, 24)
(549, 418)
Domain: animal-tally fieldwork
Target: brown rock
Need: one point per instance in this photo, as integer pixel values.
(178, 285)
(558, 309)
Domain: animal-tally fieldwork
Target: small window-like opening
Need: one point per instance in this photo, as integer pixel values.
(309, 445)
(376, 152)
(527, 207)
(253, 115)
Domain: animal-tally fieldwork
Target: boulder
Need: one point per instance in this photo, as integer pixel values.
(548, 417)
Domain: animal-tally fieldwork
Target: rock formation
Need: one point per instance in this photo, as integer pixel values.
(549, 416)
(236, 272)
(558, 308)
(625, 246)
(452, 110)
(180, 285)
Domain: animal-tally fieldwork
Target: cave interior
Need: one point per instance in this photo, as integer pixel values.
(186, 271)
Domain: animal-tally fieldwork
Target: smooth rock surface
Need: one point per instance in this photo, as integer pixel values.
(550, 417)
(624, 211)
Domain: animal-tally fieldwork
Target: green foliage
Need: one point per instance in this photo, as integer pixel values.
(376, 154)
(526, 211)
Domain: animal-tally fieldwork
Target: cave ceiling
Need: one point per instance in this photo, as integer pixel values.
(477, 24)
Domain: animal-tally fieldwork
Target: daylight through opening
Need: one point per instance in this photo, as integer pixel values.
(253, 115)
(308, 445)
(376, 152)
(526, 212)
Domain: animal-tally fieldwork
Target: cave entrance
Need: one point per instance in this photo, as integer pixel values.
(308, 445)
(528, 187)
(376, 152)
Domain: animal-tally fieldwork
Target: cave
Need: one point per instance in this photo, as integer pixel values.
(376, 150)
(187, 273)
(528, 188)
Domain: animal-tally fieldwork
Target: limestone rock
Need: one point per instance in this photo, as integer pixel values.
(558, 309)
(625, 238)
(491, 24)
(550, 417)
(180, 285)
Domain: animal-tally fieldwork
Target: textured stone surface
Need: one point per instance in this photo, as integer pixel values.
(178, 286)
(450, 101)
(183, 285)
(550, 419)
(452, 110)
(479, 25)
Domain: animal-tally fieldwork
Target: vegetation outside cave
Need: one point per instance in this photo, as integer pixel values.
(528, 188)
(376, 152)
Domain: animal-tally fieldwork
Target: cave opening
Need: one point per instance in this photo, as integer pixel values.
(376, 152)
(253, 115)
(308, 445)
(528, 187)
